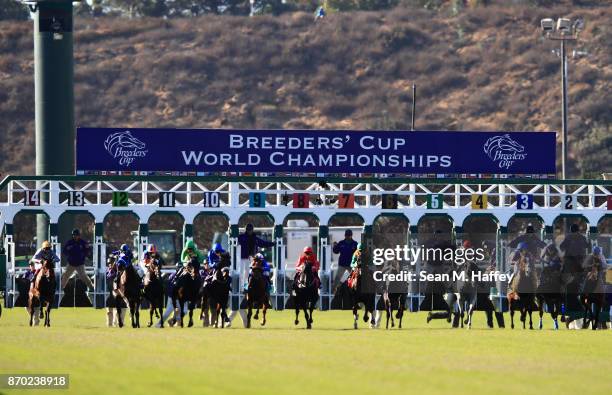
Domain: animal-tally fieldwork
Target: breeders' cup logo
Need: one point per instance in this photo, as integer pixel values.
(125, 147)
(504, 151)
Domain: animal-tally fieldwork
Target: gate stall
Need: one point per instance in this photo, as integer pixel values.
(417, 201)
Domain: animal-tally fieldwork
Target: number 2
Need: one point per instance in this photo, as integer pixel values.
(569, 202)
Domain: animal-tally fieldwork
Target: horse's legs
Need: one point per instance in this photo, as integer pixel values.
(587, 308)
(473, 299)
(310, 319)
(132, 306)
(181, 304)
(119, 318)
(31, 311)
(511, 308)
(48, 315)
(297, 312)
(597, 308)
(461, 306)
(530, 311)
(541, 301)
(152, 308)
(355, 315)
(263, 312)
(256, 316)
(191, 307)
(249, 313)
(160, 307)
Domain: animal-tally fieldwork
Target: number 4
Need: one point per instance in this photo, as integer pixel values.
(479, 201)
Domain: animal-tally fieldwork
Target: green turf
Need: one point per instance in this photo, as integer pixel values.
(283, 359)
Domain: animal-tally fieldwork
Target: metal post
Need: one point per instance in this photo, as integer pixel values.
(564, 111)
(54, 92)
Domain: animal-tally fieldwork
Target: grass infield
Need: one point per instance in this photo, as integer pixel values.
(283, 359)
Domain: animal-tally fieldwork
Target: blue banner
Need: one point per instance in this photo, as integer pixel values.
(290, 152)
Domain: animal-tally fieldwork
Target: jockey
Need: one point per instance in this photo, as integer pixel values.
(44, 253)
(190, 256)
(596, 262)
(189, 251)
(214, 256)
(125, 257)
(357, 256)
(149, 256)
(550, 257)
(265, 268)
(308, 256)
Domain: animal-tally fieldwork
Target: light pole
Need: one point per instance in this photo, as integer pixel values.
(562, 30)
(54, 92)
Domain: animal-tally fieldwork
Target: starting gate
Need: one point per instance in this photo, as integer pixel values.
(279, 198)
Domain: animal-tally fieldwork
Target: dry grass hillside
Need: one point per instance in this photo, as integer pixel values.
(482, 69)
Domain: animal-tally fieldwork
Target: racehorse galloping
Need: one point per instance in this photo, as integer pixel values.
(522, 295)
(306, 294)
(257, 294)
(216, 295)
(128, 289)
(186, 291)
(43, 292)
(593, 295)
(550, 286)
(154, 291)
(467, 293)
(394, 297)
(362, 289)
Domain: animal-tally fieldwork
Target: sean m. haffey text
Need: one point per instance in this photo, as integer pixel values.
(411, 255)
(315, 152)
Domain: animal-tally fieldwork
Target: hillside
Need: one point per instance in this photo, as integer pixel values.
(482, 69)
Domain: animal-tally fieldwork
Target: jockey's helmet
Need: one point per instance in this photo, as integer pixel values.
(218, 247)
(75, 232)
(259, 256)
(467, 244)
(597, 250)
(46, 245)
(125, 248)
(361, 247)
(152, 249)
(522, 246)
(307, 250)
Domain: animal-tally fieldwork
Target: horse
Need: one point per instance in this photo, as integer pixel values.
(43, 292)
(215, 296)
(306, 294)
(128, 289)
(550, 292)
(154, 291)
(186, 291)
(362, 291)
(592, 295)
(394, 297)
(522, 295)
(257, 294)
(467, 293)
